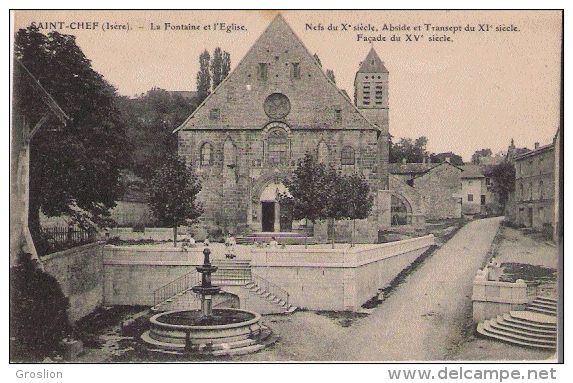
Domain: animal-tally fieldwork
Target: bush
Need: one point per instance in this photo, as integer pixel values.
(38, 312)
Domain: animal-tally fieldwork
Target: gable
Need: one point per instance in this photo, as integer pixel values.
(290, 70)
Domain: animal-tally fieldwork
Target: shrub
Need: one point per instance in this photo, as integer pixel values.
(38, 312)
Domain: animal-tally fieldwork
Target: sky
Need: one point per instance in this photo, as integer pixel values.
(478, 90)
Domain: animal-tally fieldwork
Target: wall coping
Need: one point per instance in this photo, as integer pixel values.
(67, 252)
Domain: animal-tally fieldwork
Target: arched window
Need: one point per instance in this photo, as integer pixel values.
(278, 147)
(540, 189)
(322, 152)
(530, 191)
(347, 159)
(206, 154)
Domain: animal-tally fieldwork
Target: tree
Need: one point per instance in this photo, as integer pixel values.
(330, 75)
(308, 190)
(453, 158)
(318, 193)
(479, 154)
(38, 312)
(503, 177)
(150, 120)
(226, 64)
(74, 170)
(220, 66)
(412, 151)
(204, 76)
(360, 201)
(174, 189)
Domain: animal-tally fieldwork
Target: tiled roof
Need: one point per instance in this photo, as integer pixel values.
(471, 171)
(372, 64)
(409, 168)
(533, 152)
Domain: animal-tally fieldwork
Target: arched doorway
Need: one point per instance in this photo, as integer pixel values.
(401, 211)
(274, 215)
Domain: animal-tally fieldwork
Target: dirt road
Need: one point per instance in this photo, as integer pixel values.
(422, 320)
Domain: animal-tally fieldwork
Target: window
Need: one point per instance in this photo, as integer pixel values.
(263, 71)
(530, 191)
(347, 159)
(483, 199)
(278, 146)
(521, 196)
(295, 70)
(206, 154)
(540, 189)
(487, 181)
(470, 197)
(338, 115)
(214, 114)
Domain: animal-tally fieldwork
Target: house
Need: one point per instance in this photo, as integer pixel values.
(473, 190)
(439, 186)
(534, 195)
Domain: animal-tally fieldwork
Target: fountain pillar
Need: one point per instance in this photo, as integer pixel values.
(206, 289)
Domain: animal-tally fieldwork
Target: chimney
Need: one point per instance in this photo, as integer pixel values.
(536, 145)
(404, 160)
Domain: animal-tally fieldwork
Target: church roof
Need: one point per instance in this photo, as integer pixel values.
(238, 100)
(372, 64)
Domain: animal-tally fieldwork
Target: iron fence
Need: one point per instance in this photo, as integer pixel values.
(61, 238)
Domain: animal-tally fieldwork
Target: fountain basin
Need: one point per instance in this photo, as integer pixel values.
(186, 331)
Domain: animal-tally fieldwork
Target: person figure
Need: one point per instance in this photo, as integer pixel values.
(206, 241)
(273, 242)
(230, 245)
(191, 241)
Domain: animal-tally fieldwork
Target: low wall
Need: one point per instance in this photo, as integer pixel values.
(492, 298)
(132, 273)
(79, 271)
(316, 278)
(336, 279)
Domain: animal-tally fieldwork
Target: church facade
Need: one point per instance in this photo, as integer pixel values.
(277, 105)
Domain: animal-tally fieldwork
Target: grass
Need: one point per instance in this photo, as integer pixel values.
(342, 318)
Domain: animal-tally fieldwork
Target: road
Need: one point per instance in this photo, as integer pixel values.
(422, 320)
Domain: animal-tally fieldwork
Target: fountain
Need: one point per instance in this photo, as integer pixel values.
(208, 331)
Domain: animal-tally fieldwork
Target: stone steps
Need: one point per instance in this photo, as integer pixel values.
(526, 328)
(259, 341)
(543, 305)
(255, 289)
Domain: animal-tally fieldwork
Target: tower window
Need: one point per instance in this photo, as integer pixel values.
(263, 71)
(295, 70)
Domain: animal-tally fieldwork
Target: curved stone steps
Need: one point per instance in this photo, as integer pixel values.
(264, 339)
(543, 305)
(484, 328)
(525, 328)
(517, 325)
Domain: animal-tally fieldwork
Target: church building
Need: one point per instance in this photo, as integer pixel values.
(277, 105)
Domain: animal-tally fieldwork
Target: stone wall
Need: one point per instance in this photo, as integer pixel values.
(80, 273)
(336, 279)
(492, 298)
(133, 273)
(315, 278)
(441, 190)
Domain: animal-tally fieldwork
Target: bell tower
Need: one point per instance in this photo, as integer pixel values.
(371, 98)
